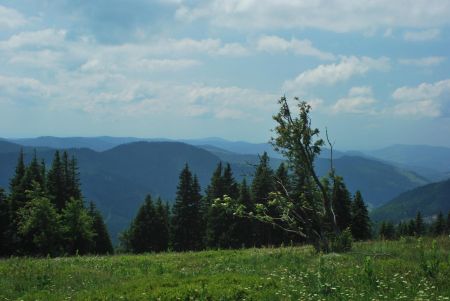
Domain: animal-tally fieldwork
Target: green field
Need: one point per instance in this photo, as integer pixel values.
(408, 269)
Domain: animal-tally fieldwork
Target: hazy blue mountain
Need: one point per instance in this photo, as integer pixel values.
(428, 199)
(425, 156)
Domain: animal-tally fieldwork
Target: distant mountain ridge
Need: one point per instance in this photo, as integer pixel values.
(428, 199)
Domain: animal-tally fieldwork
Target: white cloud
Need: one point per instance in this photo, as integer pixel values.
(43, 38)
(426, 100)
(424, 61)
(275, 44)
(10, 18)
(332, 15)
(327, 75)
(359, 100)
(166, 64)
(422, 35)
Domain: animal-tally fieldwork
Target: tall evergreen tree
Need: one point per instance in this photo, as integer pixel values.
(282, 181)
(142, 230)
(262, 185)
(419, 225)
(73, 180)
(17, 191)
(5, 225)
(439, 225)
(360, 224)
(102, 242)
(341, 204)
(56, 185)
(161, 226)
(186, 219)
(387, 230)
(33, 174)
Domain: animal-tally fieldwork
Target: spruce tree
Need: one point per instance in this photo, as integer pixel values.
(56, 185)
(5, 225)
(17, 191)
(419, 225)
(439, 225)
(262, 185)
(341, 204)
(244, 226)
(73, 180)
(360, 223)
(186, 219)
(102, 242)
(161, 227)
(33, 174)
(142, 229)
(387, 230)
(282, 181)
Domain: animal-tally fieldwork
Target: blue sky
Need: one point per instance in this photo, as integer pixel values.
(375, 72)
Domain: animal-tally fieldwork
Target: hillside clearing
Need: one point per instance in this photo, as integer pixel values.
(382, 270)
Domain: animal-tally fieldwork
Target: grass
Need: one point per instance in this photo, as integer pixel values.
(408, 269)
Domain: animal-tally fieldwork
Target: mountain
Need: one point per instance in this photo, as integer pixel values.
(428, 199)
(424, 156)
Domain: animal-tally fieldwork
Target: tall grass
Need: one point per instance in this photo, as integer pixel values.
(380, 270)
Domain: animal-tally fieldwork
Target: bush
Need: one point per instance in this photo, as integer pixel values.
(342, 242)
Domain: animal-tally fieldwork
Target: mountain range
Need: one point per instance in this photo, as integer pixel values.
(116, 173)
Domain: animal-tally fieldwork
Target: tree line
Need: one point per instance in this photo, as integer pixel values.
(44, 212)
(415, 227)
(197, 222)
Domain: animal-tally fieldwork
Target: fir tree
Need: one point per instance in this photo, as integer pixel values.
(186, 219)
(17, 191)
(387, 230)
(360, 224)
(282, 182)
(102, 242)
(73, 180)
(33, 174)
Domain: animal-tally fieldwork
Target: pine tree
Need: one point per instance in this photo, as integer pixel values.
(186, 219)
(439, 225)
(78, 232)
(244, 226)
(341, 204)
(360, 223)
(56, 185)
(419, 225)
(102, 242)
(387, 230)
(73, 180)
(33, 174)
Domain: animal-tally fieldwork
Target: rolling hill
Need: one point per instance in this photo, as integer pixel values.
(428, 199)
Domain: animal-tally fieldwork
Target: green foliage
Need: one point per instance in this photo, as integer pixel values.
(40, 227)
(439, 225)
(429, 260)
(342, 242)
(387, 230)
(6, 222)
(341, 204)
(102, 242)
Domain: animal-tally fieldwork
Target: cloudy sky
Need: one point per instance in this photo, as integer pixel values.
(375, 72)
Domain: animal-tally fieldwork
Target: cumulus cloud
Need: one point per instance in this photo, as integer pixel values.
(327, 75)
(359, 100)
(424, 100)
(37, 39)
(424, 61)
(275, 44)
(336, 15)
(10, 18)
(422, 35)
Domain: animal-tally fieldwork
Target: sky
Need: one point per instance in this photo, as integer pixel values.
(376, 73)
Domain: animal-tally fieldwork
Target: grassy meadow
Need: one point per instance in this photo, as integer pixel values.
(409, 269)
